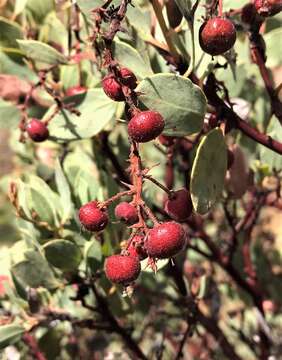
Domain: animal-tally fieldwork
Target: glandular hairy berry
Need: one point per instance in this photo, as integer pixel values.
(165, 240)
(92, 218)
(126, 212)
(122, 269)
(37, 130)
(217, 35)
(145, 126)
(136, 247)
(179, 206)
(113, 88)
(267, 8)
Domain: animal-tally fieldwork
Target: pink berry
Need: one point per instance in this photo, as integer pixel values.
(165, 240)
(145, 126)
(217, 36)
(122, 269)
(113, 89)
(179, 206)
(37, 130)
(126, 212)
(267, 8)
(136, 247)
(92, 218)
(76, 90)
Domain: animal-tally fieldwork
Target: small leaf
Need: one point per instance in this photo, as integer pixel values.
(9, 33)
(38, 51)
(94, 256)
(63, 254)
(182, 104)
(41, 207)
(96, 109)
(19, 6)
(10, 334)
(64, 191)
(208, 171)
(9, 115)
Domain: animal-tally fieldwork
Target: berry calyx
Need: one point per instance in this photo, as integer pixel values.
(165, 240)
(136, 247)
(126, 212)
(267, 8)
(179, 207)
(37, 130)
(92, 218)
(113, 88)
(76, 90)
(145, 126)
(122, 269)
(217, 35)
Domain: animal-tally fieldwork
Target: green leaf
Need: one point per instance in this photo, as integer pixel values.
(64, 191)
(182, 104)
(63, 254)
(94, 256)
(19, 6)
(34, 271)
(208, 171)
(43, 53)
(40, 9)
(9, 33)
(9, 115)
(41, 207)
(97, 110)
(10, 334)
(273, 51)
(127, 56)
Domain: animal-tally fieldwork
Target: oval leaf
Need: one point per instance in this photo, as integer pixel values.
(182, 103)
(94, 256)
(63, 254)
(208, 171)
(96, 109)
(10, 334)
(38, 51)
(9, 115)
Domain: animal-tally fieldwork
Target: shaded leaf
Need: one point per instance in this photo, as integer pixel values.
(9, 115)
(64, 191)
(10, 334)
(94, 256)
(208, 171)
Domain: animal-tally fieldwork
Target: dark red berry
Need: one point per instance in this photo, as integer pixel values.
(122, 269)
(126, 212)
(267, 8)
(165, 240)
(217, 36)
(166, 140)
(76, 90)
(37, 130)
(179, 207)
(113, 89)
(136, 247)
(145, 126)
(92, 218)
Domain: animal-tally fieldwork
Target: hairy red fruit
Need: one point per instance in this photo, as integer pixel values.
(217, 36)
(37, 130)
(165, 240)
(92, 218)
(136, 247)
(113, 88)
(76, 90)
(122, 269)
(267, 8)
(179, 207)
(126, 212)
(145, 126)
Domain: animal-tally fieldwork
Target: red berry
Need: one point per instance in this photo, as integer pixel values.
(165, 240)
(92, 218)
(179, 206)
(113, 88)
(122, 269)
(217, 36)
(76, 90)
(267, 8)
(136, 247)
(127, 213)
(37, 130)
(145, 126)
